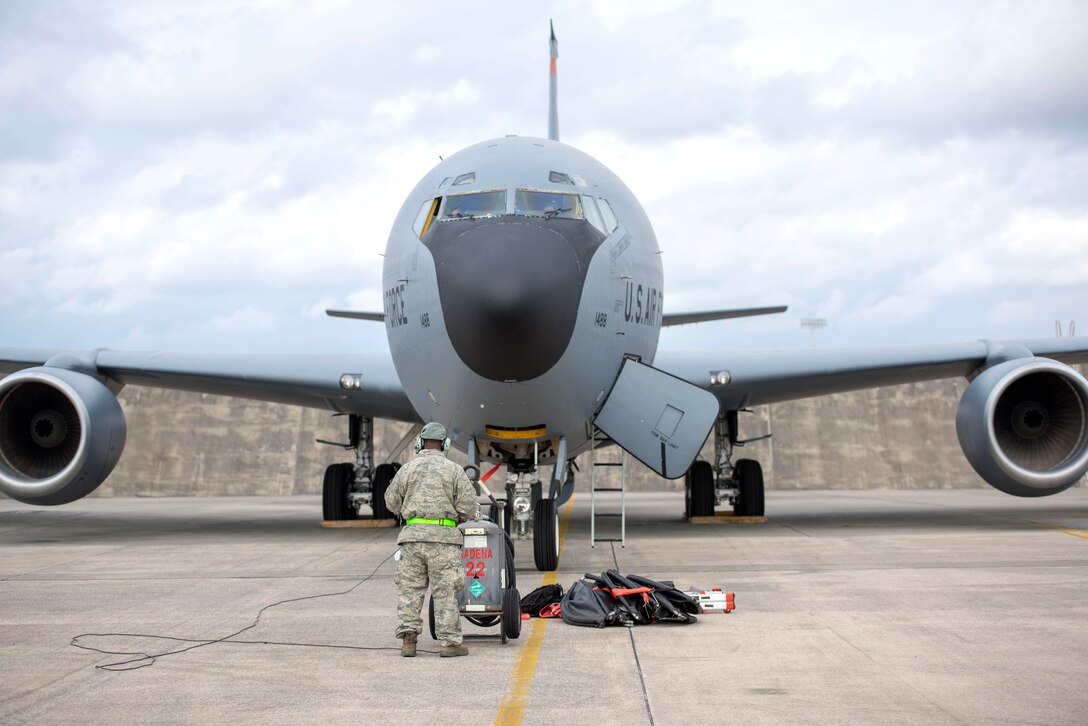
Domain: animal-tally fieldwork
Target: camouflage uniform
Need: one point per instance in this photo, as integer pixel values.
(432, 487)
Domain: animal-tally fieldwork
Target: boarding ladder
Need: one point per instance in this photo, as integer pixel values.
(611, 470)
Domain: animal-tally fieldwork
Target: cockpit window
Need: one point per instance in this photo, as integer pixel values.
(558, 177)
(547, 204)
(610, 222)
(477, 204)
(465, 179)
(426, 215)
(592, 215)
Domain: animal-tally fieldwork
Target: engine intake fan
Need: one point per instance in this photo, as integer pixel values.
(61, 434)
(1023, 426)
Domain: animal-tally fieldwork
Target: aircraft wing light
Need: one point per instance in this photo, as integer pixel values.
(351, 381)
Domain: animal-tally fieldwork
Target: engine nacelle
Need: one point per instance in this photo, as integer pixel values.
(61, 434)
(1023, 425)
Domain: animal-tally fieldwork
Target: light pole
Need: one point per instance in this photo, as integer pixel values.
(813, 324)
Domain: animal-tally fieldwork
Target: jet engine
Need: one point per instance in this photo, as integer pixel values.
(61, 434)
(1023, 425)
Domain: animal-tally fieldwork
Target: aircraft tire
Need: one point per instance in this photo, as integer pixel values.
(511, 613)
(334, 491)
(546, 535)
(750, 488)
(382, 476)
(700, 490)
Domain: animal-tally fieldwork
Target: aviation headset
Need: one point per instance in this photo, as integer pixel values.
(433, 428)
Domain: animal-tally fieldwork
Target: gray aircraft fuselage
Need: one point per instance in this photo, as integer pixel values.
(518, 274)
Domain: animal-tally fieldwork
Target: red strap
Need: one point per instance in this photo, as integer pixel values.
(550, 610)
(631, 591)
(495, 468)
(620, 592)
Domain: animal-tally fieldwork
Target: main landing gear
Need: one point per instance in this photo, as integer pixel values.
(349, 487)
(739, 484)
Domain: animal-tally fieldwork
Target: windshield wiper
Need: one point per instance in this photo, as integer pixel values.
(552, 212)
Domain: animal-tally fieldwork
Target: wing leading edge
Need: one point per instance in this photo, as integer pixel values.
(312, 381)
(743, 378)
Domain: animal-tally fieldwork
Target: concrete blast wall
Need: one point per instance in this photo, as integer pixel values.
(182, 444)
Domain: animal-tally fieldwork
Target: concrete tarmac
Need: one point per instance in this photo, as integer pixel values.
(937, 607)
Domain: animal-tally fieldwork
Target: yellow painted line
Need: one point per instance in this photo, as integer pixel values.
(521, 678)
(1082, 533)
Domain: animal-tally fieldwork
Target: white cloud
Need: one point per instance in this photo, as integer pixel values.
(244, 320)
(917, 171)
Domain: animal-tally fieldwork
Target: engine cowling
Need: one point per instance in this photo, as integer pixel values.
(61, 434)
(1023, 425)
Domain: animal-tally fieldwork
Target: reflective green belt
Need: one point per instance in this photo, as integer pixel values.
(421, 520)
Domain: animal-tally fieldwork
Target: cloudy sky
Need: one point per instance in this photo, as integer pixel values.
(212, 176)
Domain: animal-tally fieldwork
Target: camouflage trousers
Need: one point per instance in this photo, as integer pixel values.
(438, 564)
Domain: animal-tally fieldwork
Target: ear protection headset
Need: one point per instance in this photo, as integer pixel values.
(420, 440)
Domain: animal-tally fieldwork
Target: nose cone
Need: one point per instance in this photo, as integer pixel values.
(510, 289)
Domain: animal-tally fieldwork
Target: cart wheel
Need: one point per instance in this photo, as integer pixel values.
(511, 571)
(383, 475)
(511, 613)
(430, 617)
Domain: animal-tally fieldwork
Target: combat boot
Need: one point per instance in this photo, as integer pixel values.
(452, 651)
(408, 647)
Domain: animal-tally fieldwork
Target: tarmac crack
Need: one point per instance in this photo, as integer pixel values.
(638, 663)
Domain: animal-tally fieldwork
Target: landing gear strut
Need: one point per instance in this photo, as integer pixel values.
(348, 487)
(739, 484)
(531, 512)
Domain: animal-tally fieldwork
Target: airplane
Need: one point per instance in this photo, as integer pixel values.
(523, 300)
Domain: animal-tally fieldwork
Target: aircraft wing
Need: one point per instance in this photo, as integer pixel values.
(753, 377)
(313, 381)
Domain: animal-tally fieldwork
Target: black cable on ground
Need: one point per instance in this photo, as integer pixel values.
(143, 660)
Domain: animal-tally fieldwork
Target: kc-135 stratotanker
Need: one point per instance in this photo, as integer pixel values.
(555, 348)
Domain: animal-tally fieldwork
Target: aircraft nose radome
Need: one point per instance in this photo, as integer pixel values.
(509, 291)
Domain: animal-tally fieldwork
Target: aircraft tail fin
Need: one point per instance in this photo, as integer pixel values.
(553, 110)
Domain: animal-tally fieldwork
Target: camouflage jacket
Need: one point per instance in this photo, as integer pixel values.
(432, 487)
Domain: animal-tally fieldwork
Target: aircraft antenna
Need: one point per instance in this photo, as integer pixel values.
(553, 110)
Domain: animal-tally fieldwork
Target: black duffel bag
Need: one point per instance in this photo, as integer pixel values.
(585, 605)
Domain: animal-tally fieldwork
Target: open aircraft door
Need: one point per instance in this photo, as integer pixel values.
(658, 418)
